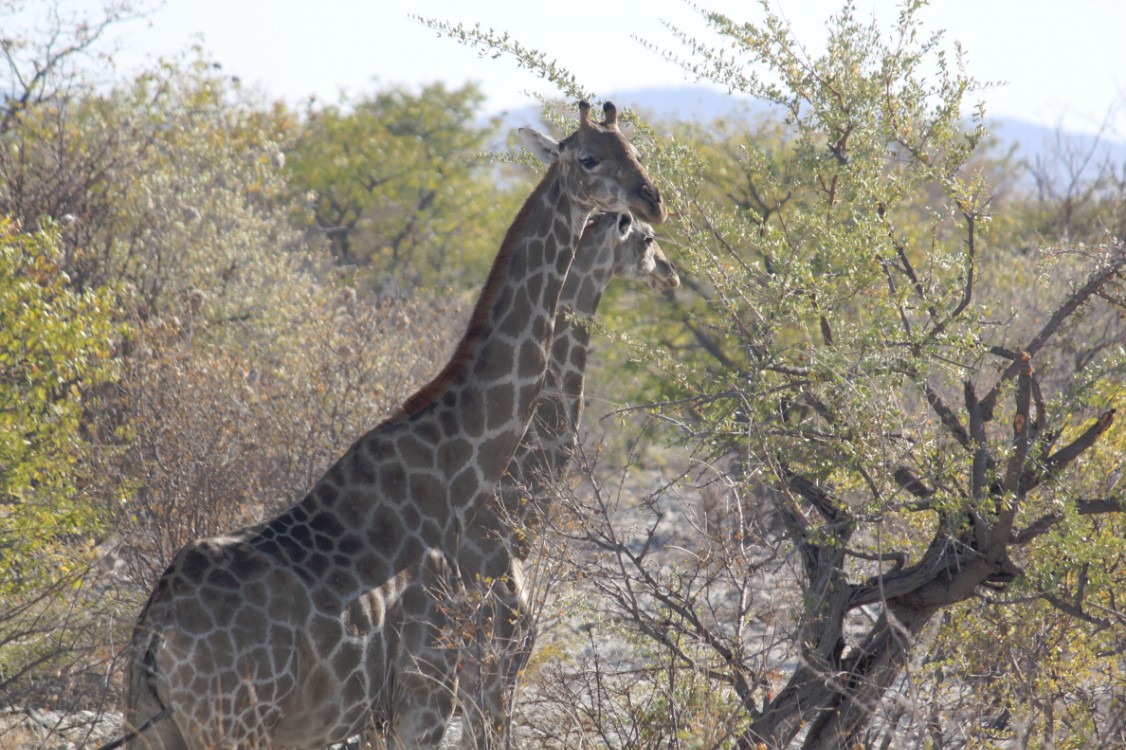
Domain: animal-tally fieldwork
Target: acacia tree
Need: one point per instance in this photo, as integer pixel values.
(399, 183)
(895, 450)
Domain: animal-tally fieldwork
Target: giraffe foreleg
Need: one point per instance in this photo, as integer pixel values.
(425, 666)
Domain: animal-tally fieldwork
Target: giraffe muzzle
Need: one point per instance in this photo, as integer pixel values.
(664, 278)
(654, 208)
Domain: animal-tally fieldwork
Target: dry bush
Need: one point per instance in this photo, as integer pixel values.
(223, 434)
(614, 664)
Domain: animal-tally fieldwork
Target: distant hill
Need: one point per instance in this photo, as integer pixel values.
(1065, 154)
(663, 104)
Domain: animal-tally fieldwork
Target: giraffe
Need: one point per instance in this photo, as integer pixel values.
(612, 246)
(334, 614)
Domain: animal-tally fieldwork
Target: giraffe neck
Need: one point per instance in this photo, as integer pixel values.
(566, 371)
(542, 456)
(486, 395)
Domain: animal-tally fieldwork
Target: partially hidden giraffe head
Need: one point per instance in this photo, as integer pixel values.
(628, 249)
(600, 167)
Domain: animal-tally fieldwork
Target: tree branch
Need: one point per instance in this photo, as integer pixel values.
(1075, 610)
(1094, 284)
(947, 416)
(1008, 498)
(1047, 522)
(1059, 460)
(907, 480)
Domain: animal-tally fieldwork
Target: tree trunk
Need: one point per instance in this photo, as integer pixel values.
(875, 667)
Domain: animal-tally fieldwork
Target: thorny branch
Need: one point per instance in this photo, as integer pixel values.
(1115, 262)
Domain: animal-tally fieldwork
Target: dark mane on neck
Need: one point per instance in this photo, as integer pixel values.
(432, 391)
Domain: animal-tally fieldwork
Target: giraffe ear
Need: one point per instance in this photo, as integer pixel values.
(625, 221)
(543, 146)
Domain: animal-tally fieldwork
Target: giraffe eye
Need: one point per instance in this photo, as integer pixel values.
(588, 162)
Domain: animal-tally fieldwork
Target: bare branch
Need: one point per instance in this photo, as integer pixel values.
(906, 479)
(819, 498)
(1047, 522)
(1014, 466)
(1095, 283)
(947, 416)
(899, 558)
(1075, 610)
(978, 418)
(1059, 460)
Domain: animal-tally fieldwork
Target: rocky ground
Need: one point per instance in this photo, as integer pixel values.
(32, 729)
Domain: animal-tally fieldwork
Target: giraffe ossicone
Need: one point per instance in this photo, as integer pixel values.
(335, 614)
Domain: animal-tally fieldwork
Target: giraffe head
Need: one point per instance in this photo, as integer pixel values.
(628, 249)
(636, 256)
(599, 167)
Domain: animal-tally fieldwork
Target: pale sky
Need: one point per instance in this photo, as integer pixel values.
(1058, 62)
